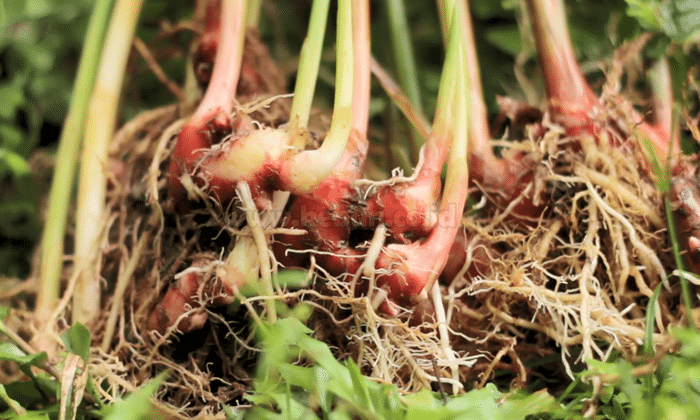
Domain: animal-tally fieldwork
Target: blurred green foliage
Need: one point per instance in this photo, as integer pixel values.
(672, 391)
(326, 388)
(40, 42)
(40, 45)
(39, 49)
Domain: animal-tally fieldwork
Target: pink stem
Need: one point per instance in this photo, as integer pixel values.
(222, 88)
(213, 112)
(208, 43)
(483, 162)
(426, 261)
(660, 132)
(361, 71)
(571, 99)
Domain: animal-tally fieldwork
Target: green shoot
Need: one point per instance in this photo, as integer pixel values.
(648, 346)
(662, 173)
(685, 286)
(52, 247)
(309, 61)
(405, 64)
(252, 13)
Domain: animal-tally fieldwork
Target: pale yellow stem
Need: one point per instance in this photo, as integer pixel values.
(99, 129)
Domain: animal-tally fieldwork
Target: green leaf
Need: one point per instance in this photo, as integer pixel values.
(519, 405)
(480, 404)
(230, 413)
(293, 278)
(12, 164)
(3, 15)
(646, 13)
(505, 38)
(29, 394)
(618, 411)
(280, 405)
(648, 346)
(358, 385)
(40, 57)
(280, 343)
(298, 376)
(38, 8)
(691, 342)
(321, 379)
(391, 402)
(13, 97)
(422, 404)
(14, 405)
(137, 405)
(657, 47)
(289, 278)
(680, 18)
(341, 413)
(77, 340)
(321, 354)
(12, 138)
(11, 353)
(32, 415)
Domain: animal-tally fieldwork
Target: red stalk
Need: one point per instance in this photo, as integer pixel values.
(254, 157)
(258, 157)
(685, 200)
(205, 283)
(212, 118)
(305, 170)
(660, 131)
(361, 71)
(685, 191)
(409, 269)
(574, 105)
(329, 215)
(331, 211)
(193, 288)
(508, 175)
(572, 102)
(407, 208)
(484, 165)
(504, 177)
(406, 270)
(413, 267)
(250, 80)
(208, 42)
(262, 158)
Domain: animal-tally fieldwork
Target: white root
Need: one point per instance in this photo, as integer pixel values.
(256, 228)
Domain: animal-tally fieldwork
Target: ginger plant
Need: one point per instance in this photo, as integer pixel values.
(265, 159)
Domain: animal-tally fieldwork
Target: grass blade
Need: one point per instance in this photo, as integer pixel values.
(66, 158)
